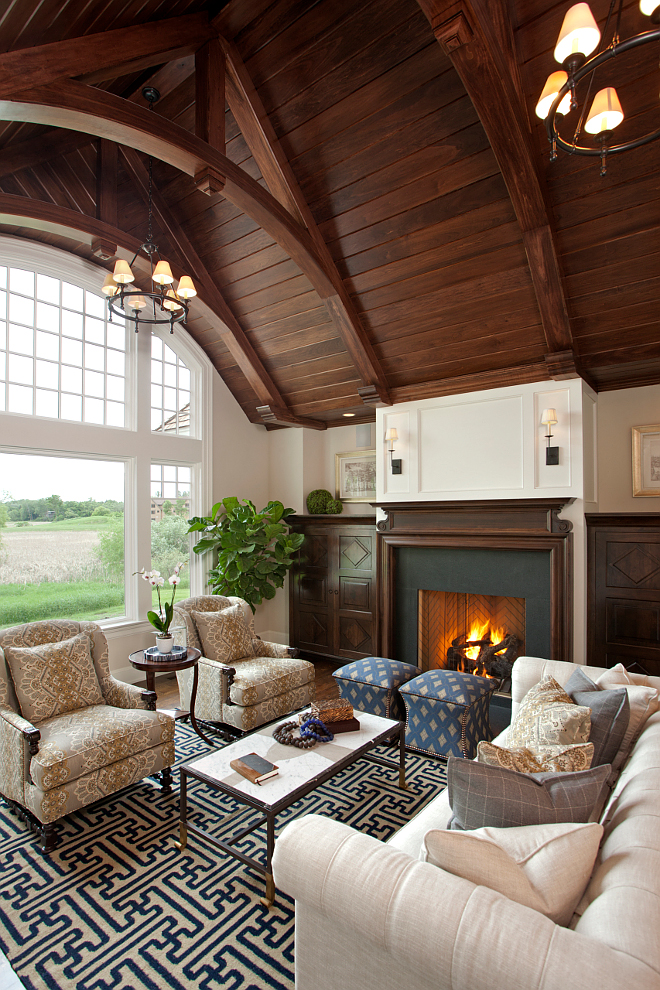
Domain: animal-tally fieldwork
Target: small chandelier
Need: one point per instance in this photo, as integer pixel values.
(578, 38)
(163, 305)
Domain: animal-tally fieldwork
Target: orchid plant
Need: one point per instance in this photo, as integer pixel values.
(161, 620)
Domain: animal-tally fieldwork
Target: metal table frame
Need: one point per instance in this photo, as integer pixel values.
(270, 812)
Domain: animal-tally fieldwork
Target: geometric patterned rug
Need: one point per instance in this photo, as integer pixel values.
(117, 907)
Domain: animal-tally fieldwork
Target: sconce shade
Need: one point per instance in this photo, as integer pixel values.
(163, 274)
(137, 302)
(649, 7)
(122, 273)
(109, 287)
(605, 113)
(579, 33)
(553, 84)
(186, 288)
(549, 417)
(391, 434)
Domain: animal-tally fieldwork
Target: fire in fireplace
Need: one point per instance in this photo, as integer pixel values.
(477, 634)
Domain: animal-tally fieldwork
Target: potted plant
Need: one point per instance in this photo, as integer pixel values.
(254, 548)
(162, 619)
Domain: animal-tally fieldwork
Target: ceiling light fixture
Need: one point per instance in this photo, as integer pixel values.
(578, 38)
(163, 305)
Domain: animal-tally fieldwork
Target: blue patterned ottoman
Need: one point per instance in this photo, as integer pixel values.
(447, 712)
(371, 685)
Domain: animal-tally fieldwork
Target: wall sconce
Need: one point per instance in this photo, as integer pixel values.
(549, 419)
(390, 437)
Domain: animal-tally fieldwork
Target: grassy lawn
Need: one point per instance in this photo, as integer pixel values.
(65, 525)
(91, 600)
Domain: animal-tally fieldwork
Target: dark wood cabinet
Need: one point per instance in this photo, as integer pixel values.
(623, 574)
(333, 594)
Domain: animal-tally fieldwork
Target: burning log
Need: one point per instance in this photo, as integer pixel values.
(494, 659)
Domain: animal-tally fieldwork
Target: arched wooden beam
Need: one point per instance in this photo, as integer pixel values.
(476, 35)
(75, 106)
(69, 223)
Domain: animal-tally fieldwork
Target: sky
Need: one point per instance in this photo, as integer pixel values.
(74, 479)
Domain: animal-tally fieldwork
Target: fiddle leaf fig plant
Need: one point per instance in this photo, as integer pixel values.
(254, 548)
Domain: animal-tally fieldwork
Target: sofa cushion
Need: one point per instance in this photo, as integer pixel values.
(225, 636)
(266, 677)
(610, 714)
(560, 759)
(548, 717)
(644, 701)
(483, 796)
(54, 678)
(545, 867)
(77, 743)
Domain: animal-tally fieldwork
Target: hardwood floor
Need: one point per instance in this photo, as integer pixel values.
(167, 688)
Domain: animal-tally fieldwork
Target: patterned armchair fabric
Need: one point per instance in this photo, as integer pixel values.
(65, 762)
(250, 691)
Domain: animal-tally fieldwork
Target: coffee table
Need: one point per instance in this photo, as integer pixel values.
(300, 772)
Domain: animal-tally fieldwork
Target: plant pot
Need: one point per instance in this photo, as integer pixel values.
(164, 643)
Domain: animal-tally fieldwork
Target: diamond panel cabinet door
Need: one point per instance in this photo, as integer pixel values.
(333, 593)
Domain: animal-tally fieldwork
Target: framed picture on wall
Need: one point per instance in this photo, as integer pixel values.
(355, 476)
(646, 460)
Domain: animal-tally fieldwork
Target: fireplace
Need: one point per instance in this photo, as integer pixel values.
(476, 634)
(504, 561)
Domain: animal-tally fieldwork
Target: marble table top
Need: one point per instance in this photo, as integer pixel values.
(297, 767)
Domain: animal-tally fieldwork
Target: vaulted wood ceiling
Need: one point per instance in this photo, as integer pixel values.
(362, 191)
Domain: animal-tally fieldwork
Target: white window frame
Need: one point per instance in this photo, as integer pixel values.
(134, 444)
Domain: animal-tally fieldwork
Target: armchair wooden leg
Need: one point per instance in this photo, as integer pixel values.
(48, 838)
(166, 780)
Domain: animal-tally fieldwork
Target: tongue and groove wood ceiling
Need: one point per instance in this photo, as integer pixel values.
(386, 224)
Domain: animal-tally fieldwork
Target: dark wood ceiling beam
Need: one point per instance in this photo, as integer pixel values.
(106, 195)
(252, 119)
(153, 43)
(210, 109)
(74, 106)
(234, 337)
(476, 35)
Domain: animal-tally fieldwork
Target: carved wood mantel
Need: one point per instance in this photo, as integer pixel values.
(502, 524)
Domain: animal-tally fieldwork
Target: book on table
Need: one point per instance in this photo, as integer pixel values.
(254, 767)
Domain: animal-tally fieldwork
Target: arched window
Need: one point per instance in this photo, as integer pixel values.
(94, 420)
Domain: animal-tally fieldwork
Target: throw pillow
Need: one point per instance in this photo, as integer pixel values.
(224, 635)
(544, 867)
(482, 796)
(610, 714)
(560, 759)
(644, 701)
(548, 717)
(54, 678)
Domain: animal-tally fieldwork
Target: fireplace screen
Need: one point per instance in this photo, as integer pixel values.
(478, 634)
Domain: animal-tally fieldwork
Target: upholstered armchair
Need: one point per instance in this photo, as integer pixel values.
(70, 733)
(243, 681)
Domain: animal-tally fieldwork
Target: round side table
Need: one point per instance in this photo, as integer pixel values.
(163, 665)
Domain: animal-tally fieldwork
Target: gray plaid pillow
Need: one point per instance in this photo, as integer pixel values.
(610, 713)
(481, 795)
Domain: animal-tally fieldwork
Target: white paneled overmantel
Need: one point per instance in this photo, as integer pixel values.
(490, 444)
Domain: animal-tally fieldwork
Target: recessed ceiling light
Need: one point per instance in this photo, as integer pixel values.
(348, 415)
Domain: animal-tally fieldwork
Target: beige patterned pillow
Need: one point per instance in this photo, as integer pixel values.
(551, 759)
(54, 678)
(548, 717)
(225, 636)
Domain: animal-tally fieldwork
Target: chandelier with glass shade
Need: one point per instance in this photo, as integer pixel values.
(163, 305)
(578, 38)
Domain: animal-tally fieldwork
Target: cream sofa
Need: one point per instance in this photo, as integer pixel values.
(370, 914)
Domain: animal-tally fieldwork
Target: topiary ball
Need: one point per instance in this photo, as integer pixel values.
(318, 501)
(335, 507)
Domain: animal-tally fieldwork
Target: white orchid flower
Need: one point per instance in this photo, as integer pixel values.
(174, 579)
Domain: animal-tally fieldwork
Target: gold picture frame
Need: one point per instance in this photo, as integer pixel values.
(646, 460)
(355, 476)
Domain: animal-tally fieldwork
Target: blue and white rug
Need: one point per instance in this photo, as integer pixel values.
(117, 907)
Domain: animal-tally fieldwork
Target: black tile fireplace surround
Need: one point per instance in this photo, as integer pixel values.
(518, 548)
